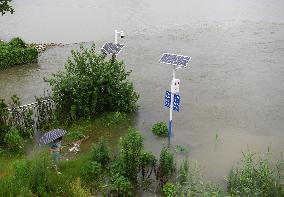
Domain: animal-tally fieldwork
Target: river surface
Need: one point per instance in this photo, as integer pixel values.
(232, 94)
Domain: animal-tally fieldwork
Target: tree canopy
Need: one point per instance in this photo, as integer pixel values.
(6, 7)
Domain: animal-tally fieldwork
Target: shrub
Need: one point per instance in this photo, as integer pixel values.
(17, 43)
(13, 140)
(114, 118)
(167, 165)
(120, 186)
(160, 129)
(92, 85)
(100, 152)
(77, 190)
(91, 171)
(73, 136)
(169, 190)
(15, 53)
(256, 177)
(183, 172)
(4, 127)
(147, 164)
(131, 146)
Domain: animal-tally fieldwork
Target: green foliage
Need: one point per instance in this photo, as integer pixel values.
(4, 127)
(77, 190)
(167, 165)
(169, 190)
(17, 43)
(131, 146)
(160, 129)
(73, 136)
(91, 85)
(13, 140)
(256, 177)
(91, 171)
(114, 118)
(148, 163)
(101, 152)
(15, 53)
(6, 7)
(183, 172)
(120, 186)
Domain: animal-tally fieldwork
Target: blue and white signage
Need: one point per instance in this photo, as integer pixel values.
(176, 60)
(111, 48)
(176, 102)
(168, 99)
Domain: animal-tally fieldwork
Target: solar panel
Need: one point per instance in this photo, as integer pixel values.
(111, 48)
(176, 60)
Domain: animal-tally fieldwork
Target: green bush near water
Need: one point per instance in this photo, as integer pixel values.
(160, 129)
(257, 177)
(92, 85)
(15, 53)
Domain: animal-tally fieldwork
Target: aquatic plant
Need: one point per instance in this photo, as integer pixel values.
(160, 129)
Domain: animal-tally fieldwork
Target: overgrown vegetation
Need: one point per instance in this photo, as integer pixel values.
(15, 52)
(92, 85)
(160, 129)
(257, 177)
(14, 126)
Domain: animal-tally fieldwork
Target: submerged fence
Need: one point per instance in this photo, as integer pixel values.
(31, 117)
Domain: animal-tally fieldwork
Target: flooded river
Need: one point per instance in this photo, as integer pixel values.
(233, 88)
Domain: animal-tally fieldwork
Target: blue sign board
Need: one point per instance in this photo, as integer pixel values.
(176, 102)
(168, 99)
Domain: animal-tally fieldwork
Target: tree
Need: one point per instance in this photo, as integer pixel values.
(6, 7)
(92, 84)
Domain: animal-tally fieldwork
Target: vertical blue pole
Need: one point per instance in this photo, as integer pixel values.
(170, 132)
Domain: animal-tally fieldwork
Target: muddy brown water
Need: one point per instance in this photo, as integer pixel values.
(233, 88)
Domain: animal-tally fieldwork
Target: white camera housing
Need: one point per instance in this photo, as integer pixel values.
(175, 86)
(121, 34)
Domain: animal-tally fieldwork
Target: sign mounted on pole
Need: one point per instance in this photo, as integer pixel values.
(175, 60)
(168, 99)
(176, 102)
(111, 48)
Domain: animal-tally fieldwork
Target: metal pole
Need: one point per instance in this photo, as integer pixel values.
(115, 37)
(171, 111)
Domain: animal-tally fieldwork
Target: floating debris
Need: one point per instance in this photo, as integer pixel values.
(42, 47)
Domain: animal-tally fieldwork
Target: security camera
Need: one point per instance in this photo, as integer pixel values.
(121, 34)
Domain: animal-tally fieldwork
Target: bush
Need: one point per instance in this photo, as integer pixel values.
(131, 147)
(13, 140)
(77, 190)
(167, 165)
(256, 177)
(169, 190)
(100, 152)
(17, 43)
(15, 53)
(92, 85)
(4, 127)
(91, 171)
(114, 118)
(73, 136)
(147, 164)
(160, 129)
(120, 186)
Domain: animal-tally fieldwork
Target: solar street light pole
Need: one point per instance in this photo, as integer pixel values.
(121, 33)
(171, 110)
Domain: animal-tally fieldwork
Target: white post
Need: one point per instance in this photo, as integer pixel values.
(115, 37)
(171, 110)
